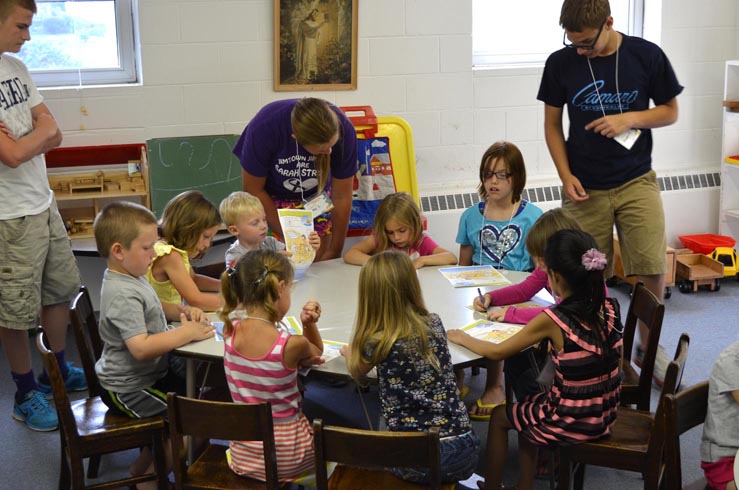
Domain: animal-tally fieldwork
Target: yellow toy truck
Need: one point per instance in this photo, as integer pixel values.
(727, 256)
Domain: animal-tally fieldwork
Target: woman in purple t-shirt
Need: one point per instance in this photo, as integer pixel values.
(302, 153)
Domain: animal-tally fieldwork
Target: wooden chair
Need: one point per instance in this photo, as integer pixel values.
(363, 456)
(86, 336)
(683, 411)
(211, 270)
(218, 420)
(636, 388)
(86, 430)
(636, 441)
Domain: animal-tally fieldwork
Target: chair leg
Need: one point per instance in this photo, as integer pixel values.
(565, 469)
(579, 476)
(93, 466)
(160, 464)
(65, 480)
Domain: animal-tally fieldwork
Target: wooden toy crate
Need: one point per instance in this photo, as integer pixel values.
(694, 270)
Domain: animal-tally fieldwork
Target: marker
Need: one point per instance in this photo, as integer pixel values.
(482, 300)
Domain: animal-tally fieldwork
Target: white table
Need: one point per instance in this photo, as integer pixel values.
(334, 285)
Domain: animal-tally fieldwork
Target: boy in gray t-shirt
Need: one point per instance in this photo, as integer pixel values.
(721, 431)
(134, 370)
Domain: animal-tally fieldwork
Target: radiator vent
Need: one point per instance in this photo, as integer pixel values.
(553, 193)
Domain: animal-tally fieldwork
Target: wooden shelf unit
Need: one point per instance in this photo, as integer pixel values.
(86, 178)
(729, 202)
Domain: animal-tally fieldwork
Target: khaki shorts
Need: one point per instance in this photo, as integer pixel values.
(37, 267)
(635, 208)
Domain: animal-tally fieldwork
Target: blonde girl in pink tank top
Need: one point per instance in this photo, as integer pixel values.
(262, 359)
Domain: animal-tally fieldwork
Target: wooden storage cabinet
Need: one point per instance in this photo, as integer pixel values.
(86, 178)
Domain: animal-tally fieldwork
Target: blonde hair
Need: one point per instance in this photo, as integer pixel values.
(390, 308)
(238, 204)
(120, 222)
(254, 281)
(402, 208)
(547, 225)
(185, 217)
(513, 159)
(314, 122)
(7, 6)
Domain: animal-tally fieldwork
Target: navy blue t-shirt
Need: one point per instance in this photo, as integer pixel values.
(644, 73)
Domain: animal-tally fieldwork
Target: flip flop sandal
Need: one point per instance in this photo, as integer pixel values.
(484, 406)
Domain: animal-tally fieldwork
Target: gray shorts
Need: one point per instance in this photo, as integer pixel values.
(37, 267)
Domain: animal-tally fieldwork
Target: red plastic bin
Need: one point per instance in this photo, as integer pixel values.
(706, 242)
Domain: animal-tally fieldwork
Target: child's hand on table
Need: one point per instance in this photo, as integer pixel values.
(497, 313)
(196, 330)
(193, 314)
(479, 306)
(457, 336)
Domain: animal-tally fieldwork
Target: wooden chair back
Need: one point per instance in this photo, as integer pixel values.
(374, 449)
(682, 412)
(637, 438)
(645, 307)
(206, 420)
(87, 337)
(86, 430)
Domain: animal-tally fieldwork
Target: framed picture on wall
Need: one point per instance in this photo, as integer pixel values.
(315, 44)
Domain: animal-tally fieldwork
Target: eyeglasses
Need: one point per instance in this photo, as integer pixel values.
(586, 47)
(502, 175)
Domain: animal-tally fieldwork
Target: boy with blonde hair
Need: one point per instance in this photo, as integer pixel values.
(135, 370)
(245, 218)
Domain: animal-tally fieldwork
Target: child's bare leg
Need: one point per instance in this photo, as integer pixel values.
(168, 462)
(142, 463)
(494, 392)
(459, 375)
(527, 454)
(497, 448)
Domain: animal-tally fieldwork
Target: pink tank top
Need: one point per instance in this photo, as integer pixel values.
(265, 379)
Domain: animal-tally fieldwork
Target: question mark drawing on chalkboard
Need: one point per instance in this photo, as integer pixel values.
(205, 163)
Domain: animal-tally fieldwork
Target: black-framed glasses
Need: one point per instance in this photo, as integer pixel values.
(587, 47)
(502, 175)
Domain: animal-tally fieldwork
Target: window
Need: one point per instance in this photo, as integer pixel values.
(527, 31)
(81, 42)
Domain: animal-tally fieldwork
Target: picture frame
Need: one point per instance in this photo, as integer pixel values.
(315, 45)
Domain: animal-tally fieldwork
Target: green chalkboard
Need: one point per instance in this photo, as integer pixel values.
(203, 163)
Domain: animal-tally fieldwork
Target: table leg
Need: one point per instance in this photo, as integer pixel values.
(190, 377)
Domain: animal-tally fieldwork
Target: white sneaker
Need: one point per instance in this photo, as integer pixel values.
(661, 361)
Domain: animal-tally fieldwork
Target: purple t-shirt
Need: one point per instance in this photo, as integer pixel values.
(266, 148)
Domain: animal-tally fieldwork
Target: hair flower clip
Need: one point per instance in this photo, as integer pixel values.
(594, 260)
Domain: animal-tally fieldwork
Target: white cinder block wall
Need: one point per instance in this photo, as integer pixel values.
(207, 68)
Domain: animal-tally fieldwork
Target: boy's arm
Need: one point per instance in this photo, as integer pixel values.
(655, 117)
(555, 139)
(44, 136)
(148, 346)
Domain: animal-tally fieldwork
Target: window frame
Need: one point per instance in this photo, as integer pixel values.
(127, 73)
(634, 27)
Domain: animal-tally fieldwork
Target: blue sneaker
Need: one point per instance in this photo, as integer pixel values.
(36, 412)
(75, 381)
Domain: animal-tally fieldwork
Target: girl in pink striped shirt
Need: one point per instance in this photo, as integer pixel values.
(262, 359)
(585, 335)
